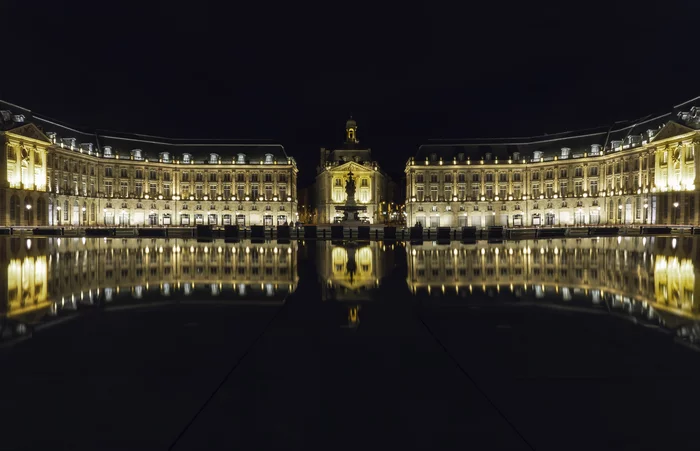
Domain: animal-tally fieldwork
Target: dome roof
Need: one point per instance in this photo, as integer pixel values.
(350, 123)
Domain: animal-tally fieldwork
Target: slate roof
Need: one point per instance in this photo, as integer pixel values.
(632, 133)
(151, 146)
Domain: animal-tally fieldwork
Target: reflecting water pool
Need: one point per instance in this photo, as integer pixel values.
(268, 345)
(651, 280)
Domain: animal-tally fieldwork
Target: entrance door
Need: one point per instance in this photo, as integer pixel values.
(76, 214)
(153, 219)
(489, 220)
(268, 220)
(462, 220)
(226, 220)
(434, 222)
(240, 220)
(281, 219)
(212, 219)
(199, 219)
(517, 220)
(580, 218)
(549, 219)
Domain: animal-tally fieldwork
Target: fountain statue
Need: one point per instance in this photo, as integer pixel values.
(351, 210)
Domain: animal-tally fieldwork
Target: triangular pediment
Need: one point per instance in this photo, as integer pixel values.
(351, 166)
(670, 130)
(30, 131)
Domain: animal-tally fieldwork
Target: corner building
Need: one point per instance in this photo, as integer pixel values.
(637, 173)
(56, 175)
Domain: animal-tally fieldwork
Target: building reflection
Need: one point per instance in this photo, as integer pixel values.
(650, 277)
(52, 276)
(351, 273)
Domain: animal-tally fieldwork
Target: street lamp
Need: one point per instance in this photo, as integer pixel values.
(675, 219)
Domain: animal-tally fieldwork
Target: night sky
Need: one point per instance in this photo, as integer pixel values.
(294, 72)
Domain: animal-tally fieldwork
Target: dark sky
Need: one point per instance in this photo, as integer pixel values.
(293, 71)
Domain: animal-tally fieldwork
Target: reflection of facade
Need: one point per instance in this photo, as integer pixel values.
(642, 173)
(372, 184)
(657, 271)
(54, 274)
(351, 274)
(84, 178)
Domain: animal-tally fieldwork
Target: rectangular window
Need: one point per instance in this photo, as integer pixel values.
(535, 190)
(434, 193)
(152, 174)
(489, 176)
(594, 187)
(563, 188)
(461, 177)
(108, 172)
(503, 191)
(593, 171)
(283, 193)
(199, 191)
(124, 173)
(241, 192)
(578, 188)
(268, 192)
(254, 193)
(212, 192)
(578, 172)
(475, 192)
(448, 193)
(152, 189)
(227, 191)
(516, 176)
(166, 191)
(212, 176)
(108, 189)
(139, 173)
(517, 193)
(476, 178)
(185, 177)
(267, 178)
(364, 183)
(420, 195)
(139, 189)
(550, 190)
(124, 188)
(563, 173)
(489, 191)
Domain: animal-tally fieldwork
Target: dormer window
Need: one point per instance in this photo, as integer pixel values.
(565, 152)
(107, 151)
(460, 156)
(241, 158)
(516, 156)
(137, 154)
(595, 149)
(52, 136)
(86, 147)
(213, 158)
(650, 133)
(537, 155)
(268, 158)
(68, 142)
(186, 158)
(18, 118)
(433, 157)
(488, 156)
(616, 144)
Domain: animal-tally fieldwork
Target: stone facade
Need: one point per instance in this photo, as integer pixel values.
(613, 176)
(373, 185)
(75, 178)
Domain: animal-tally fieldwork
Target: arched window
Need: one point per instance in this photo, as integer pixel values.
(84, 212)
(14, 210)
(65, 210)
(92, 212)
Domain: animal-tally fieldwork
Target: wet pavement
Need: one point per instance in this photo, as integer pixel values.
(174, 344)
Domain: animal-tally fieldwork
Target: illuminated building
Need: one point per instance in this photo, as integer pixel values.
(373, 186)
(632, 173)
(57, 175)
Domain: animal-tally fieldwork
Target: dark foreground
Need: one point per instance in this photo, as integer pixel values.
(418, 371)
